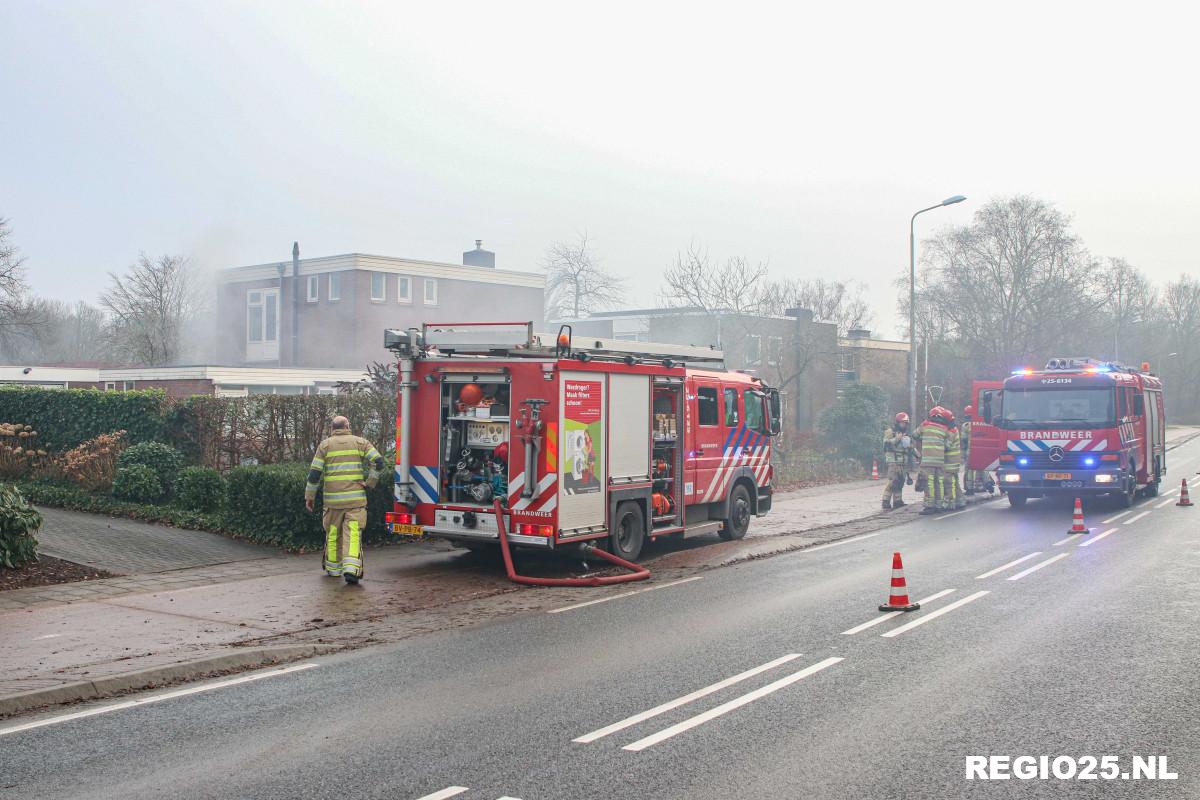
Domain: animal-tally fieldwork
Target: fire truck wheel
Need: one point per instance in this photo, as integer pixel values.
(738, 521)
(629, 532)
(1125, 498)
(1016, 499)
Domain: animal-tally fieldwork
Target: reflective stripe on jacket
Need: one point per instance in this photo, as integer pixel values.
(893, 451)
(953, 448)
(933, 443)
(347, 465)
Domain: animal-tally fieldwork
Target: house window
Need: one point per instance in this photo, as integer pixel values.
(110, 386)
(753, 350)
(314, 288)
(731, 409)
(706, 407)
(128, 386)
(335, 286)
(262, 315)
(431, 290)
(403, 289)
(774, 349)
(378, 287)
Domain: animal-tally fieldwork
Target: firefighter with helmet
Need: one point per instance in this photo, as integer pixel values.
(971, 477)
(933, 433)
(344, 466)
(897, 455)
(952, 495)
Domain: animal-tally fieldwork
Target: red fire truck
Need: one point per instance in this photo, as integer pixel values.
(1080, 426)
(579, 441)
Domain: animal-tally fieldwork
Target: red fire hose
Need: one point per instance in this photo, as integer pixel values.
(639, 573)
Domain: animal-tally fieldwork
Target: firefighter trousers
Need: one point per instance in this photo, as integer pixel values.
(343, 540)
(894, 488)
(952, 494)
(934, 487)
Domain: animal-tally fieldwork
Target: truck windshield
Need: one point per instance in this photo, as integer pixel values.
(1058, 407)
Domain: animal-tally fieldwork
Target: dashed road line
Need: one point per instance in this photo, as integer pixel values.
(623, 594)
(1098, 537)
(725, 708)
(449, 791)
(838, 543)
(680, 701)
(921, 620)
(1167, 502)
(1132, 520)
(999, 569)
(956, 513)
(890, 614)
(1116, 517)
(157, 698)
(1070, 538)
(1037, 566)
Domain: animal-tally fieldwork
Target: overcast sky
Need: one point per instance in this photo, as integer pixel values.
(803, 135)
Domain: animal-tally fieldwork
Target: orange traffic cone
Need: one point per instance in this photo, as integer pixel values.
(874, 470)
(1184, 500)
(898, 599)
(1077, 519)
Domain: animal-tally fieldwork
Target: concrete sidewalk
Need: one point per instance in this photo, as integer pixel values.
(76, 641)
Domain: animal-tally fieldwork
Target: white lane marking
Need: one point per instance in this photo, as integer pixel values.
(890, 614)
(725, 708)
(955, 514)
(836, 544)
(1132, 520)
(158, 698)
(1167, 502)
(449, 791)
(1072, 537)
(623, 594)
(921, 620)
(680, 701)
(506, 797)
(1116, 517)
(1037, 566)
(990, 573)
(47, 636)
(1098, 537)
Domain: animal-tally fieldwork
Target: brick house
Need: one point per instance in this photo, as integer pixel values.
(331, 312)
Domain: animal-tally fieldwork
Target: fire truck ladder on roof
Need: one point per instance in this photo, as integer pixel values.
(518, 340)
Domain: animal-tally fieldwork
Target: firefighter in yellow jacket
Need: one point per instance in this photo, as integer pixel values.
(897, 452)
(933, 432)
(952, 494)
(348, 465)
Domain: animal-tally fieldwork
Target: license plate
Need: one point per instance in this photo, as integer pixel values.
(407, 530)
(1058, 476)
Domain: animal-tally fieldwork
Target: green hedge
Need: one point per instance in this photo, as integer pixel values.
(64, 418)
(199, 489)
(137, 483)
(76, 499)
(161, 459)
(18, 523)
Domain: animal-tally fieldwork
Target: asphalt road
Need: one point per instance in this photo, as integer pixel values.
(745, 682)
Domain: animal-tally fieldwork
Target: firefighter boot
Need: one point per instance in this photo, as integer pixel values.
(898, 503)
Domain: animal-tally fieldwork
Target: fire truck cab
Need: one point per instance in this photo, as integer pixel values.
(578, 440)
(1078, 427)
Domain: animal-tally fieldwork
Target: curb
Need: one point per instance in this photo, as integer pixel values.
(152, 677)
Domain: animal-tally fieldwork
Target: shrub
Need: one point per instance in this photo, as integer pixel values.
(137, 483)
(93, 464)
(199, 489)
(266, 504)
(20, 453)
(65, 418)
(854, 427)
(19, 521)
(163, 459)
(77, 499)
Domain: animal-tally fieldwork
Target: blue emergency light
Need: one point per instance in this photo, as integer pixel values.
(1024, 462)
(1090, 461)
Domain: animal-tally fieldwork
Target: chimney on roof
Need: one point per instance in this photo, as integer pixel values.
(479, 257)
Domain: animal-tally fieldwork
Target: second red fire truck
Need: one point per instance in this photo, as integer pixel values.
(579, 440)
(1077, 427)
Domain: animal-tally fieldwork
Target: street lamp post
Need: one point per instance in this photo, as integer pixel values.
(912, 302)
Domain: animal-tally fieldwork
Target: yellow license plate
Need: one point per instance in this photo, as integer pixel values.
(1058, 476)
(407, 530)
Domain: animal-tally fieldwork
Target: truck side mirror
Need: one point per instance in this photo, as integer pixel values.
(774, 413)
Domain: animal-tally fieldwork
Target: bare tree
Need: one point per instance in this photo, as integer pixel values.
(694, 280)
(149, 307)
(14, 304)
(576, 283)
(841, 302)
(1132, 299)
(59, 332)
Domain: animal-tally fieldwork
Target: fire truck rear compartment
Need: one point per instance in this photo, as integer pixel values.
(474, 438)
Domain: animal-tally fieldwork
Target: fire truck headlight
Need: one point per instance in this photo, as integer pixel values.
(1105, 478)
(1011, 478)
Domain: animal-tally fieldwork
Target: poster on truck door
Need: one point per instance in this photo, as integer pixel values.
(583, 435)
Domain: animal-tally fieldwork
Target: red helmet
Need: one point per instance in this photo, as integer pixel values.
(969, 412)
(938, 411)
(902, 417)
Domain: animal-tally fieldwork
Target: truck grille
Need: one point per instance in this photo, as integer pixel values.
(1042, 461)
